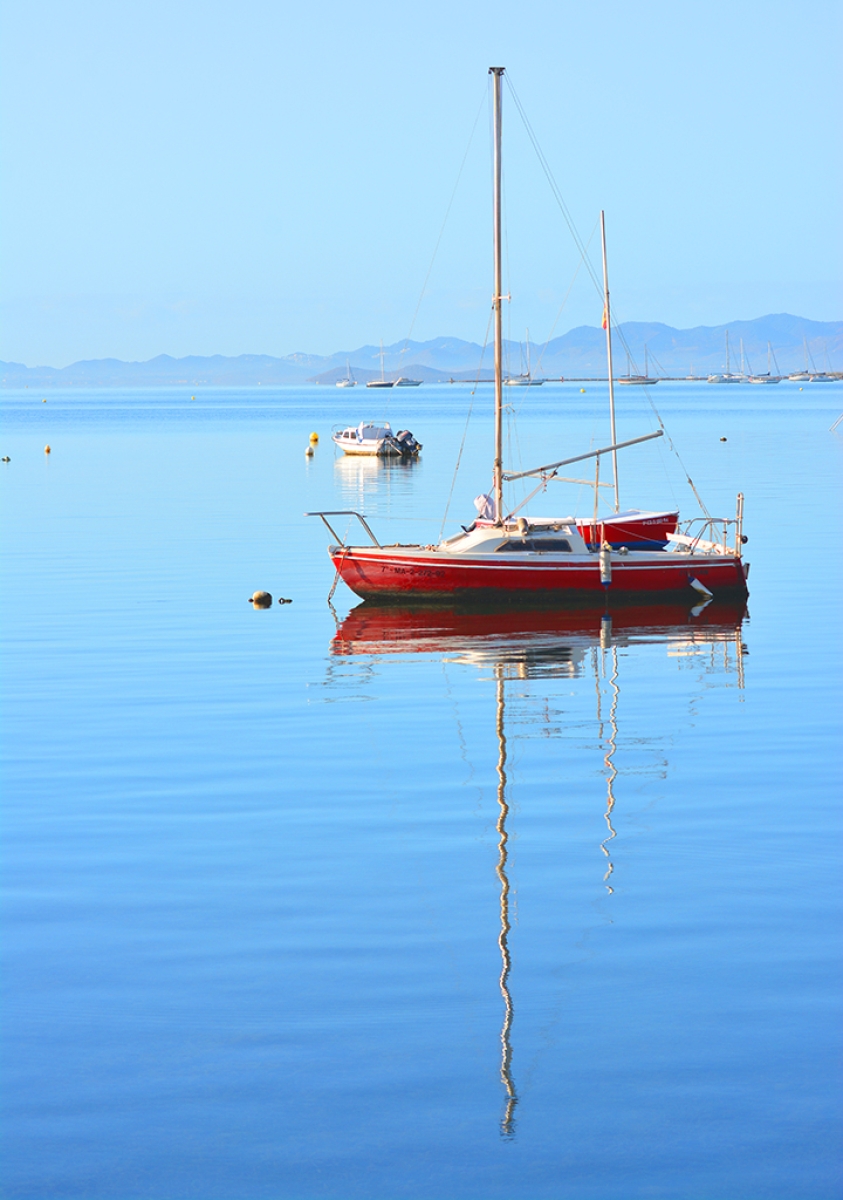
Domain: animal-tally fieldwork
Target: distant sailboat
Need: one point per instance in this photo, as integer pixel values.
(804, 375)
(769, 377)
(524, 380)
(645, 379)
(349, 380)
(727, 377)
(826, 376)
(383, 382)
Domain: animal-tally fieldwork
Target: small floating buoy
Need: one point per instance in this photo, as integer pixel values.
(261, 599)
(582, 389)
(47, 450)
(44, 401)
(282, 600)
(722, 439)
(309, 452)
(192, 397)
(800, 389)
(314, 437)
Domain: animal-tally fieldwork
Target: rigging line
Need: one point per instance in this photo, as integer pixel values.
(508, 284)
(617, 329)
(542, 486)
(512, 434)
(690, 481)
(444, 222)
(661, 454)
(584, 255)
(569, 220)
(539, 488)
(465, 431)
(565, 300)
(619, 334)
(663, 428)
(659, 367)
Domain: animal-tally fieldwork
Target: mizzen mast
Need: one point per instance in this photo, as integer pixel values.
(607, 325)
(497, 471)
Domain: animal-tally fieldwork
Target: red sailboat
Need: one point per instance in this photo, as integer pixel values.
(501, 556)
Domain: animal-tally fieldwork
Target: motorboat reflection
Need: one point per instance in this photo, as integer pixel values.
(362, 481)
(540, 644)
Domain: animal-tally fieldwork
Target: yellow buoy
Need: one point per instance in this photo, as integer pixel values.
(192, 397)
(261, 599)
(47, 450)
(44, 401)
(314, 437)
(582, 389)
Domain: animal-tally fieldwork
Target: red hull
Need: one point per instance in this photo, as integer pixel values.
(430, 575)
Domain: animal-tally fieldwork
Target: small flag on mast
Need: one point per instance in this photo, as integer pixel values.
(605, 323)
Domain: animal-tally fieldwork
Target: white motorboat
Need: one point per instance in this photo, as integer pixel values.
(377, 440)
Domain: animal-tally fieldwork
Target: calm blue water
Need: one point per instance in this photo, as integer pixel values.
(427, 906)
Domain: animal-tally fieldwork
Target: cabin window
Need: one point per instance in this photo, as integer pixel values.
(535, 544)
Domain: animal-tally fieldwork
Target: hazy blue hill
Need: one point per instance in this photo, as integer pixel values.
(702, 350)
(165, 371)
(580, 352)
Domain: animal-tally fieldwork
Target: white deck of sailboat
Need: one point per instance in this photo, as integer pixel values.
(540, 538)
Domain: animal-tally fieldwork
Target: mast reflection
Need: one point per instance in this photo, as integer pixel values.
(611, 743)
(520, 644)
(508, 1119)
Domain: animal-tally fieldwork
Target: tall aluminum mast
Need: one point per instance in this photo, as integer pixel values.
(497, 74)
(607, 325)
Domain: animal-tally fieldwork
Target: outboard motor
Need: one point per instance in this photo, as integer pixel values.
(409, 446)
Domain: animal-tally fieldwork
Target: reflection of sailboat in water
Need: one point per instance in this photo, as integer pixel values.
(508, 1119)
(543, 644)
(611, 743)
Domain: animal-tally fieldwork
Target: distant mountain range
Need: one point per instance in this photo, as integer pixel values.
(580, 353)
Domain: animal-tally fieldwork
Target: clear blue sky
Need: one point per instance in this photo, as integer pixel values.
(198, 178)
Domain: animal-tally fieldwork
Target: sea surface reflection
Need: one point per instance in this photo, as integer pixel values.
(546, 644)
(438, 904)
